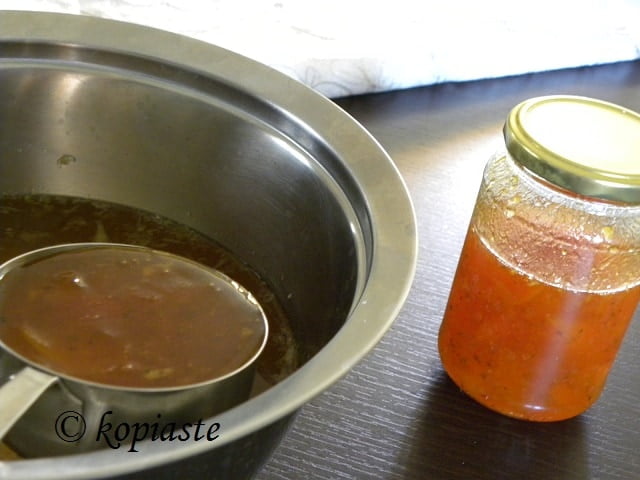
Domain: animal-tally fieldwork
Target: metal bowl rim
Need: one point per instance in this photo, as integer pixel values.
(393, 223)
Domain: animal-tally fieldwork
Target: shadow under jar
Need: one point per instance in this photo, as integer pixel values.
(548, 280)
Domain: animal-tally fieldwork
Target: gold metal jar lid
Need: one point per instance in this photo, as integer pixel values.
(586, 146)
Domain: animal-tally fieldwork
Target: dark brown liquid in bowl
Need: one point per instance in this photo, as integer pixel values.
(128, 317)
(29, 222)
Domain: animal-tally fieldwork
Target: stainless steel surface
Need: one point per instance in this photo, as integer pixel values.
(183, 404)
(277, 173)
(19, 394)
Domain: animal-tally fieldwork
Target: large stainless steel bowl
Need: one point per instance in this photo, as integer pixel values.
(275, 172)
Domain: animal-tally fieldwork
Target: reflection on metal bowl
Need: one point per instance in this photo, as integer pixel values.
(273, 171)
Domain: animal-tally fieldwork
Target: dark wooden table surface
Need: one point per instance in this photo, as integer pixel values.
(397, 415)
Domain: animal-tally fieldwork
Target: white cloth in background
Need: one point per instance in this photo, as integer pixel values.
(359, 46)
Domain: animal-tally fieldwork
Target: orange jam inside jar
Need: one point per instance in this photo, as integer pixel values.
(549, 276)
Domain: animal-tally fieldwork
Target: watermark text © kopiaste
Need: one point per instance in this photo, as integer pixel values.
(71, 426)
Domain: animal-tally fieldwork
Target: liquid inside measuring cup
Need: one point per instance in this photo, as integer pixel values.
(128, 317)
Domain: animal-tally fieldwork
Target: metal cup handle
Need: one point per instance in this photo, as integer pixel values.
(19, 393)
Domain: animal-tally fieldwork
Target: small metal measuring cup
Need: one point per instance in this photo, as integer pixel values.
(31, 386)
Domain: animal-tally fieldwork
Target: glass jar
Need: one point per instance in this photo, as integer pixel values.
(549, 275)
